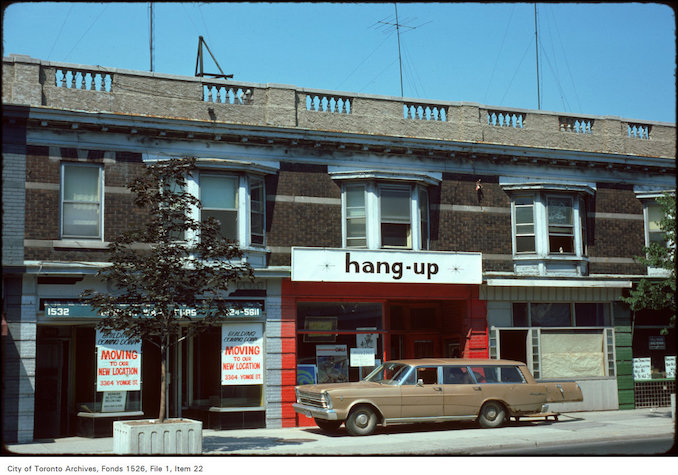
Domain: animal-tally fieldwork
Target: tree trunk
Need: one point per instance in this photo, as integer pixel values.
(163, 380)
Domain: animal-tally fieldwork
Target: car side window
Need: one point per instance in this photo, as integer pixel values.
(456, 375)
(429, 375)
(497, 374)
(511, 375)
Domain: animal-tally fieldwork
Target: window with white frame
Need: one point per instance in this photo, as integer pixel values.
(524, 224)
(237, 202)
(81, 201)
(385, 215)
(547, 224)
(566, 339)
(653, 216)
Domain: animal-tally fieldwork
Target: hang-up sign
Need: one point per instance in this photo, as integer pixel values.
(242, 354)
(118, 362)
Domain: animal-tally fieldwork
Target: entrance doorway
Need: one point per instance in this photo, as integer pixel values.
(513, 345)
(424, 329)
(51, 386)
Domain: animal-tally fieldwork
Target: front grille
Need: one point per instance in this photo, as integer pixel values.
(312, 399)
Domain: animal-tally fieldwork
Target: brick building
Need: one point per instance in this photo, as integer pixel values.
(409, 228)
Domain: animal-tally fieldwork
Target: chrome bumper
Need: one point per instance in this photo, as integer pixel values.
(315, 412)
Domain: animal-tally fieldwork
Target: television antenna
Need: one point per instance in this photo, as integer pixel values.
(397, 26)
(199, 71)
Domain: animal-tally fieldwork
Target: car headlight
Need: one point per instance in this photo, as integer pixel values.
(297, 395)
(327, 400)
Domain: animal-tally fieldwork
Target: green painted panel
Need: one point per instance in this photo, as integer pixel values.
(622, 339)
(624, 354)
(625, 383)
(626, 398)
(624, 368)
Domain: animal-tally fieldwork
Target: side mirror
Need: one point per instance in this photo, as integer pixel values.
(420, 382)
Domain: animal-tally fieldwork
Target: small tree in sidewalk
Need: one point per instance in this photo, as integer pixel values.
(171, 263)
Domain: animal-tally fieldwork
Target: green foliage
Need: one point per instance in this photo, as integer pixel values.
(154, 272)
(659, 294)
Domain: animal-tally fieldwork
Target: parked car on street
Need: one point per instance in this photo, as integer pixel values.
(433, 390)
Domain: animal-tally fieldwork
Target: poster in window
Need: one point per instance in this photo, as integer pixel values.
(242, 355)
(332, 363)
(367, 340)
(114, 401)
(657, 343)
(670, 366)
(118, 362)
(307, 374)
(361, 357)
(642, 369)
(321, 324)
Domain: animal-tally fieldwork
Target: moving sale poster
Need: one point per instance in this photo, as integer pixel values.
(118, 362)
(242, 354)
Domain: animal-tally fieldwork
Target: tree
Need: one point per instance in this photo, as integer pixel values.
(171, 262)
(659, 294)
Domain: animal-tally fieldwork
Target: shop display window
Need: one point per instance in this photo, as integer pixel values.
(207, 391)
(338, 341)
(565, 340)
(87, 397)
(654, 349)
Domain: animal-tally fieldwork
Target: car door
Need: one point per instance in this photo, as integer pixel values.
(422, 393)
(461, 395)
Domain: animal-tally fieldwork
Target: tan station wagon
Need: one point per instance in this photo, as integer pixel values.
(432, 390)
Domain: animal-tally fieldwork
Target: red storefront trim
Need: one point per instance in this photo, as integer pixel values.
(476, 323)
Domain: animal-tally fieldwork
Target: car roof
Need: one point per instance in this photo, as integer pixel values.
(456, 362)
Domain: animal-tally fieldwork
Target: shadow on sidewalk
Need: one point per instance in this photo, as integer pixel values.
(225, 445)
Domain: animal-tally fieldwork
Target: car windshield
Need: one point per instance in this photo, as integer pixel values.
(388, 373)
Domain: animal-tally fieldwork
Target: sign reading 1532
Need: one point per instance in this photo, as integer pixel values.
(237, 309)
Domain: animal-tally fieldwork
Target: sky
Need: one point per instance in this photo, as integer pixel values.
(594, 58)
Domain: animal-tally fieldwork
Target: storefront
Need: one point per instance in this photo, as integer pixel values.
(353, 309)
(86, 379)
(654, 358)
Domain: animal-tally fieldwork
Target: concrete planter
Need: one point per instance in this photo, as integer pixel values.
(174, 436)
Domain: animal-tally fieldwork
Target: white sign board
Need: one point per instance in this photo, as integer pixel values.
(242, 354)
(114, 401)
(362, 357)
(670, 366)
(118, 362)
(642, 369)
(360, 265)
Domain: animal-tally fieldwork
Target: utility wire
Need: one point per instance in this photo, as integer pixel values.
(514, 74)
(567, 65)
(363, 61)
(86, 31)
(380, 73)
(501, 48)
(49, 55)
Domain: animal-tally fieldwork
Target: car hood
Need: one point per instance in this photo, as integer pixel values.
(312, 388)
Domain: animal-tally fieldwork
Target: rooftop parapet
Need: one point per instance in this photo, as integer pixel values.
(29, 81)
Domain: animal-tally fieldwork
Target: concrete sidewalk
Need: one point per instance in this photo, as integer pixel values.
(419, 439)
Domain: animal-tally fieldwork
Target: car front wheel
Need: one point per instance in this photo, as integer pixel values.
(361, 421)
(327, 426)
(492, 414)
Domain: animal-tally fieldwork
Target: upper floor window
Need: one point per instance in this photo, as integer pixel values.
(385, 215)
(653, 216)
(549, 224)
(81, 201)
(236, 200)
(219, 198)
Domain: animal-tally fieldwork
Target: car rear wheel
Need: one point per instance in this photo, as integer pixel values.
(492, 414)
(361, 421)
(327, 426)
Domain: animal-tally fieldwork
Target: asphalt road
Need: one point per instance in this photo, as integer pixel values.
(658, 446)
